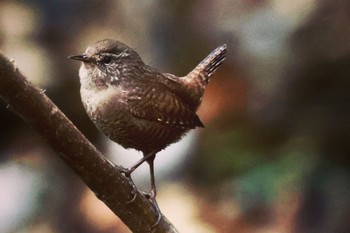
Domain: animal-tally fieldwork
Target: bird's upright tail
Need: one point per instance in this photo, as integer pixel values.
(209, 65)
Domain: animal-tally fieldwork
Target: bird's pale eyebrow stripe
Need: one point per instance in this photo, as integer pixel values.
(124, 53)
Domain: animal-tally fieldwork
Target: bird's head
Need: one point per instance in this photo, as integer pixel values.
(107, 61)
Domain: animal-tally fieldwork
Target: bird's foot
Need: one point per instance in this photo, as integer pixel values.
(148, 195)
(134, 192)
(159, 217)
(126, 171)
(151, 196)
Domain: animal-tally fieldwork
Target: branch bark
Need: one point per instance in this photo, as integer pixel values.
(99, 174)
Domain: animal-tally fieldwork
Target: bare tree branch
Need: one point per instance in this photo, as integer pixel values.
(99, 174)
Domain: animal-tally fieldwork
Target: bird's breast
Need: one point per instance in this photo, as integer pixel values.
(99, 104)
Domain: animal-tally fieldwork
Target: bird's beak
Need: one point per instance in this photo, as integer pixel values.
(82, 58)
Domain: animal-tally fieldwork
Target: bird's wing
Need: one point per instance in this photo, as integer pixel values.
(155, 102)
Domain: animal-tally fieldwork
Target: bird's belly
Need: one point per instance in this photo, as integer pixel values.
(112, 117)
(142, 135)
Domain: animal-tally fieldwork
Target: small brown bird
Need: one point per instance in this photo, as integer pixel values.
(137, 106)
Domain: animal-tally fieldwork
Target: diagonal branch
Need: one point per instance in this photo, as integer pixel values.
(99, 174)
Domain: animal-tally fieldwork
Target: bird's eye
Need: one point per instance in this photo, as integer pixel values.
(107, 59)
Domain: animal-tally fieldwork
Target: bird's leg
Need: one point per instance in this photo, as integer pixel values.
(152, 195)
(127, 171)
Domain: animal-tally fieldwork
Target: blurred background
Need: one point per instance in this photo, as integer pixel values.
(274, 155)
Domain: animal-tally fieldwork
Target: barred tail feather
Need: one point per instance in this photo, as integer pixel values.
(210, 64)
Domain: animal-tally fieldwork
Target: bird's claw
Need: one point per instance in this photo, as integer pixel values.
(134, 191)
(150, 196)
(155, 204)
(147, 195)
(126, 171)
